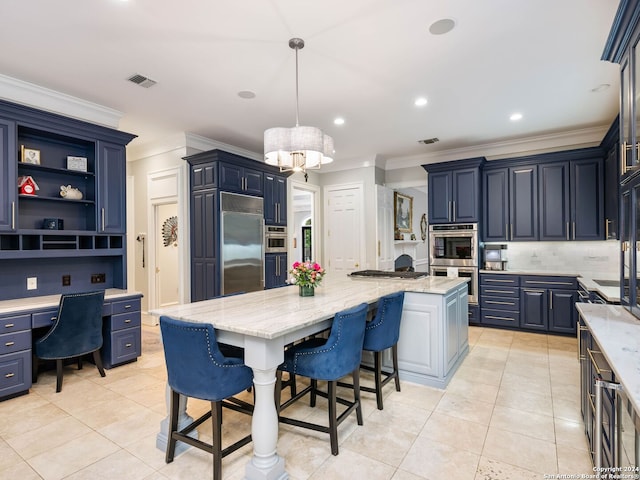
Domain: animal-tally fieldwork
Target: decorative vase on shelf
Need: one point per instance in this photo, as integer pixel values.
(306, 291)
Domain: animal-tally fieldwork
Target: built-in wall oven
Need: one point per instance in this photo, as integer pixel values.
(453, 251)
(453, 245)
(464, 272)
(275, 239)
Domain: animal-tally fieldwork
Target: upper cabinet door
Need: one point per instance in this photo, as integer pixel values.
(440, 197)
(496, 205)
(111, 178)
(275, 200)
(7, 175)
(554, 201)
(523, 203)
(587, 222)
(466, 186)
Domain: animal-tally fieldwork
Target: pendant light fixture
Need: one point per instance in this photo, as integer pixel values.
(298, 148)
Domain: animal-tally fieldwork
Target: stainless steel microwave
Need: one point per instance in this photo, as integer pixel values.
(453, 245)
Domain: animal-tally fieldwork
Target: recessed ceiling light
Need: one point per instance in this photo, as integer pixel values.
(339, 121)
(515, 117)
(246, 94)
(601, 87)
(442, 26)
(420, 101)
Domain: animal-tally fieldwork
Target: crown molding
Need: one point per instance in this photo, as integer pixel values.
(29, 94)
(582, 138)
(203, 144)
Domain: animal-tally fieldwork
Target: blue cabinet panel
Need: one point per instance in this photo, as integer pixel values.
(204, 284)
(275, 270)
(15, 373)
(562, 311)
(275, 200)
(204, 176)
(534, 307)
(466, 194)
(440, 197)
(587, 199)
(554, 201)
(111, 198)
(495, 217)
(523, 203)
(7, 175)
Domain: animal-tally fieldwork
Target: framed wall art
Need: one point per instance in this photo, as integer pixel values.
(29, 155)
(403, 212)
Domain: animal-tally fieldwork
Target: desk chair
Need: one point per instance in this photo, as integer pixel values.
(328, 359)
(196, 368)
(76, 331)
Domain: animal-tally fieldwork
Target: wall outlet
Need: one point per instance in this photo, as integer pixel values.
(66, 280)
(98, 278)
(32, 283)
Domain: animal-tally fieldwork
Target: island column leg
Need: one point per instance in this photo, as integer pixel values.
(264, 356)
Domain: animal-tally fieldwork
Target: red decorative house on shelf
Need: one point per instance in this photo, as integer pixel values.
(27, 185)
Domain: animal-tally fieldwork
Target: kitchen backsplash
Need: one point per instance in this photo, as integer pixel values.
(585, 258)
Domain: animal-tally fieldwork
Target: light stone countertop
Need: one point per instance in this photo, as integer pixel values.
(277, 312)
(618, 334)
(18, 305)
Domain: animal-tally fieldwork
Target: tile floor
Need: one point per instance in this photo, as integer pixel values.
(510, 412)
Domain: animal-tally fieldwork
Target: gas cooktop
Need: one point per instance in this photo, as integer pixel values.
(383, 274)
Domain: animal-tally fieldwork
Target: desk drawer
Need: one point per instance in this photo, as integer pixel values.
(15, 324)
(121, 346)
(15, 373)
(14, 342)
(125, 306)
(44, 319)
(125, 320)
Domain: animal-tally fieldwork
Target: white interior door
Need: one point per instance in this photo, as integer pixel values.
(345, 227)
(384, 229)
(166, 254)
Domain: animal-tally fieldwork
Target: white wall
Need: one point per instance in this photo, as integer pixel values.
(420, 251)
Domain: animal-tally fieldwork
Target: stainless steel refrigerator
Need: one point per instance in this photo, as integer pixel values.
(241, 243)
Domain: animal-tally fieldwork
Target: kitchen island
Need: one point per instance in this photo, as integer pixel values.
(433, 337)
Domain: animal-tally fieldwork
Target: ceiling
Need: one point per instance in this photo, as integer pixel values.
(364, 60)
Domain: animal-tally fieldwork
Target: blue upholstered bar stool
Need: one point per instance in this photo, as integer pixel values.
(76, 331)
(196, 368)
(380, 334)
(328, 359)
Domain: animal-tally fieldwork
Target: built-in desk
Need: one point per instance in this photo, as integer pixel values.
(18, 317)
(263, 322)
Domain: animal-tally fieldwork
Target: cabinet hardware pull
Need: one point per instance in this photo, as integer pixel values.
(493, 302)
(499, 318)
(599, 370)
(13, 215)
(9, 325)
(197, 170)
(567, 230)
(9, 375)
(127, 306)
(582, 294)
(449, 212)
(548, 283)
(53, 319)
(512, 231)
(625, 246)
(497, 291)
(550, 300)
(606, 228)
(128, 320)
(574, 230)
(128, 345)
(532, 290)
(637, 244)
(623, 158)
(495, 280)
(453, 210)
(506, 231)
(9, 344)
(102, 214)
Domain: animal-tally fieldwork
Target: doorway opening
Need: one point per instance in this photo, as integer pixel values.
(304, 231)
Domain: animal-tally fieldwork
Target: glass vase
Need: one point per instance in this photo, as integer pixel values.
(306, 291)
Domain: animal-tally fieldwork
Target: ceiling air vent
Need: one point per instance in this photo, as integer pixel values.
(142, 80)
(429, 141)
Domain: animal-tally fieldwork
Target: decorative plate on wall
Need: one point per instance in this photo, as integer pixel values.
(423, 227)
(170, 231)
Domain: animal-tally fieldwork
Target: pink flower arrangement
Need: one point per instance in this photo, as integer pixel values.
(307, 274)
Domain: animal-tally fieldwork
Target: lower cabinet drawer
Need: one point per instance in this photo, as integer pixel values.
(44, 319)
(500, 318)
(15, 342)
(501, 303)
(15, 373)
(125, 320)
(121, 346)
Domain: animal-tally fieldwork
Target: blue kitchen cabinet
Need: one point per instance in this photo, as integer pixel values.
(611, 175)
(533, 309)
(548, 303)
(111, 178)
(510, 206)
(454, 191)
(240, 179)
(554, 201)
(523, 203)
(7, 175)
(204, 272)
(275, 270)
(275, 199)
(500, 300)
(562, 311)
(204, 176)
(587, 200)
(495, 214)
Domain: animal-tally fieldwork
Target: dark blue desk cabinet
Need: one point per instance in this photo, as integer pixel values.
(218, 171)
(89, 240)
(121, 335)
